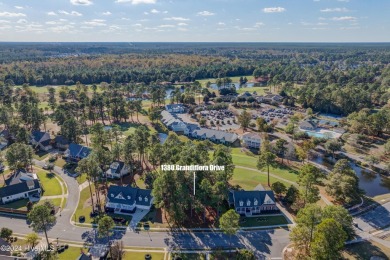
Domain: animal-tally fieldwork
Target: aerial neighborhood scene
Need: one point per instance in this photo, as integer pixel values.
(156, 129)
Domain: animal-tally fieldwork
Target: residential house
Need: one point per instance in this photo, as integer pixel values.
(307, 125)
(61, 142)
(272, 98)
(125, 199)
(252, 203)
(251, 140)
(22, 185)
(216, 136)
(245, 95)
(76, 152)
(117, 170)
(175, 108)
(41, 139)
(172, 122)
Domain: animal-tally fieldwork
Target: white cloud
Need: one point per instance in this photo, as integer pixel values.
(343, 1)
(154, 11)
(51, 13)
(22, 21)
(259, 24)
(96, 22)
(182, 29)
(136, 2)
(344, 18)
(81, 2)
(176, 19)
(4, 21)
(62, 29)
(107, 13)
(137, 25)
(73, 13)
(19, 7)
(166, 26)
(8, 14)
(274, 10)
(206, 13)
(221, 24)
(182, 24)
(331, 10)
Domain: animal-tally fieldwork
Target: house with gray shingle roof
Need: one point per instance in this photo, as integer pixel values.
(216, 136)
(252, 203)
(22, 185)
(125, 199)
(41, 139)
(175, 108)
(117, 169)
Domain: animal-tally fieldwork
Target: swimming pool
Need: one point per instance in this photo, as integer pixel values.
(320, 134)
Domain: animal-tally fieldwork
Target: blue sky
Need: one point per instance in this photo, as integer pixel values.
(195, 20)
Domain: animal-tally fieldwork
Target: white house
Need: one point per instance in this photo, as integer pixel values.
(252, 140)
(216, 136)
(252, 203)
(21, 185)
(41, 139)
(117, 169)
(125, 200)
(175, 108)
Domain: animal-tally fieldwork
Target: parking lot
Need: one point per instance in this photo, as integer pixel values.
(269, 114)
(224, 117)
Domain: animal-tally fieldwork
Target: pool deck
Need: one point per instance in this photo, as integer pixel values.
(320, 132)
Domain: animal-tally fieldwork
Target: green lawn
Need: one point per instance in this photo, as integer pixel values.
(56, 202)
(248, 159)
(50, 184)
(60, 162)
(259, 90)
(81, 178)
(248, 179)
(141, 256)
(263, 221)
(81, 210)
(71, 253)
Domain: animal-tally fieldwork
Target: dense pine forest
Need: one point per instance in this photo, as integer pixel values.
(331, 78)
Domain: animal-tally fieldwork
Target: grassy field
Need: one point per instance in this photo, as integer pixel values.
(71, 253)
(56, 202)
(60, 162)
(248, 179)
(365, 250)
(82, 210)
(81, 178)
(248, 159)
(141, 256)
(259, 90)
(50, 184)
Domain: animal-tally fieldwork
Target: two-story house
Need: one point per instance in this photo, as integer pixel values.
(125, 199)
(41, 139)
(252, 140)
(252, 203)
(117, 170)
